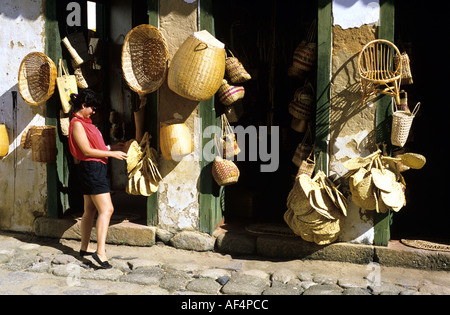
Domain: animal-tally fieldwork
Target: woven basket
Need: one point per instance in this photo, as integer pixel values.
(225, 172)
(407, 77)
(43, 144)
(4, 141)
(307, 166)
(228, 94)
(235, 70)
(302, 104)
(401, 126)
(144, 59)
(175, 140)
(198, 67)
(37, 78)
(305, 149)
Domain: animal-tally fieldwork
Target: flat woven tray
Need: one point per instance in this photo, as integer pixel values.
(426, 245)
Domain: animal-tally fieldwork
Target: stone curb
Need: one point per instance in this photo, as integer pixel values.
(241, 243)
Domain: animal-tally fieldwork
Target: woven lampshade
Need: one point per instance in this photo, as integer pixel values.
(37, 78)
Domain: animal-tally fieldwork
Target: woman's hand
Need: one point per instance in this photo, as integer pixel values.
(120, 155)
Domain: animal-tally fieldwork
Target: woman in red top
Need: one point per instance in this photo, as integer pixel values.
(87, 145)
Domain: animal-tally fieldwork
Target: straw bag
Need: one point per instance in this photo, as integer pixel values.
(198, 67)
(307, 166)
(401, 125)
(228, 94)
(77, 47)
(229, 144)
(144, 59)
(43, 144)
(303, 102)
(37, 78)
(235, 70)
(304, 149)
(407, 78)
(305, 55)
(85, 74)
(225, 172)
(67, 84)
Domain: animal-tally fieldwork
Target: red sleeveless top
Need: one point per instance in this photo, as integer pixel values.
(94, 136)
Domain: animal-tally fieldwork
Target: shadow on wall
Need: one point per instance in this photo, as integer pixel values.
(12, 9)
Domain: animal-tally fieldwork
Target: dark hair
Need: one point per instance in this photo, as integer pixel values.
(86, 96)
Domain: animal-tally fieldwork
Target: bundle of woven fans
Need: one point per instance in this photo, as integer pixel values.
(316, 209)
(142, 168)
(376, 182)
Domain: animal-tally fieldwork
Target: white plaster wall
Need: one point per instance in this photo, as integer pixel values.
(23, 189)
(356, 13)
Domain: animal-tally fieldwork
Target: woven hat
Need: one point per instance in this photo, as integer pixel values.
(37, 78)
(144, 59)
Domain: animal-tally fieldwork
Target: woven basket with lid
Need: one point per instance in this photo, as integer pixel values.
(37, 78)
(144, 59)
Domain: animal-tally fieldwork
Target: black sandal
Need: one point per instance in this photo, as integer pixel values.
(103, 264)
(85, 253)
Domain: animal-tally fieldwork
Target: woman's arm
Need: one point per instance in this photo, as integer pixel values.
(79, 134)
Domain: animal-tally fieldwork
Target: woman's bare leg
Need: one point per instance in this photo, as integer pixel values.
(105, 209)
(87, 221)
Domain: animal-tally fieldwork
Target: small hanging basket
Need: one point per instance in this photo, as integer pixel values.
(225, 172)
(407, 78)
(401, 125)
(228, 94)
(229, 143)
(37, 78)
(307, 166)
(304, 149)
(301, 107)
(235, 70)
(175, 140)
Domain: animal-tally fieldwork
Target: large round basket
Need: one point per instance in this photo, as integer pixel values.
(4, 141)
(198, 67)
(37, 78)
(144, 59)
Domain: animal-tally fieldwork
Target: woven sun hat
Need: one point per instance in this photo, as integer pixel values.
(37, 78)
(144, 59)
(197, 70)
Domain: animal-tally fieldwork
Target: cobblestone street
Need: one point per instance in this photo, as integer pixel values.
(40, 266)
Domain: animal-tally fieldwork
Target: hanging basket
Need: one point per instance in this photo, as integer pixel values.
(228, 94)
(407, 78)
(4, 141)
(301, 107)
(144, 59)
(304, 149)
(401, 125)
(225, 172)
(229, 143)
(235, 70)
(43, 144)
(175, 140)
(198, 67)
(37, 78)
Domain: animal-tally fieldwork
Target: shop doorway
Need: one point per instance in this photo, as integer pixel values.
(263, 35)
(420, 31)
(104, 25)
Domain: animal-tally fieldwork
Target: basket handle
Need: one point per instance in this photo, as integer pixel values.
(198, 48)
(416, 109)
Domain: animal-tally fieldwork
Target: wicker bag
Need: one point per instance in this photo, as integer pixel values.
(303, 102)
(228, 94)
(67, 84)
(144, 59)
(401, 125)
(175, 140)
(235, 70)
(407, 78)
(307, 166)
(198, 67)
(304, 149)
(85, 75)
(37, 78)
(43, 144)
(77, 47)
(229, 143)
(225, 172)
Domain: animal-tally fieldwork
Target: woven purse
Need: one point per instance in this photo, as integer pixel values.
(401, 125)
(235, 70)
(228, 94)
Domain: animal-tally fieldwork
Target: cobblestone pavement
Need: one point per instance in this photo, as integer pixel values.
(35, 266)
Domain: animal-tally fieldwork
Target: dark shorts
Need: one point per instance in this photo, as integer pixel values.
(94, 178)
